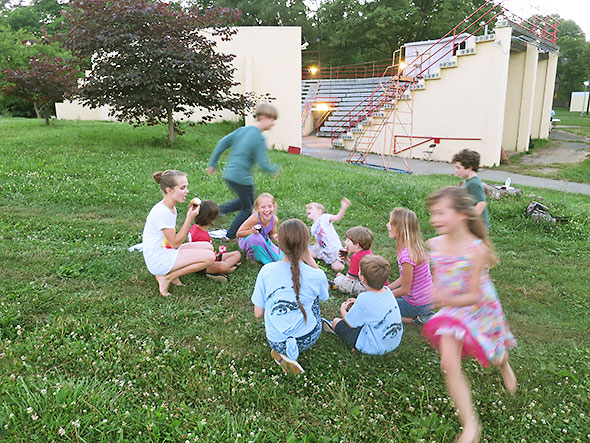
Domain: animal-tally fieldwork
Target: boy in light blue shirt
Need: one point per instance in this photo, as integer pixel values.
(372, 322)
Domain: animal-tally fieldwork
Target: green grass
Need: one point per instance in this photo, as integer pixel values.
(88, 348)
(573, 119)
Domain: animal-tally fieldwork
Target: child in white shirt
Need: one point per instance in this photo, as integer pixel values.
(327, 240)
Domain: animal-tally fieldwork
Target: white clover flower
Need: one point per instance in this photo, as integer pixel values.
(61, 431)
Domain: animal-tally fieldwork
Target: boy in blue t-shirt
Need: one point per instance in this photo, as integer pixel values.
(372, 322)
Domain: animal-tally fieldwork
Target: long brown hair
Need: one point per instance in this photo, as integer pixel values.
(405, 223)
(293, 241)
(462, 202)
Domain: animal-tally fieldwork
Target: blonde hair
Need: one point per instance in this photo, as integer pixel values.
(293, 241)
(262, 197)
(319, 206)
(375, 270)
(405, 223)
(167, 179)
(267, 110)
(462, 202)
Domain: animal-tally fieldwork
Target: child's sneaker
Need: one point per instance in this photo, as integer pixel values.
(288, 365)
(217, 277)
(332, 286)
(327, 325)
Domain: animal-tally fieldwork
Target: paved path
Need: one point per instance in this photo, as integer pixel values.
(319, 147)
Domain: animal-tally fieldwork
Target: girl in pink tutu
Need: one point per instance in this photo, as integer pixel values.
(470, 320)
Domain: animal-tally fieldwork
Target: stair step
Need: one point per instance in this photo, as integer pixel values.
(466, 51)
(449, 64)
(485, 38)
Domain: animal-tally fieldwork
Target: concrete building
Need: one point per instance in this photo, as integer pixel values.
(268, 60)
(492, 92)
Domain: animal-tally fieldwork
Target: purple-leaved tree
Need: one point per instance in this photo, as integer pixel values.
(151, 59)
(45, 82)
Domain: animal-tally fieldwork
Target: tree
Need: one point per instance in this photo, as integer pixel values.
(380, 27)
(573, 65)
(152, 59)
(46, 82)
(23, 28)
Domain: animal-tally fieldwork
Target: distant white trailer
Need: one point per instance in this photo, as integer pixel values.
(579, 101)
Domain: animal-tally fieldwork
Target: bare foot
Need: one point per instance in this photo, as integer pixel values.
(163, 284)
(176, 282)
(508, 377)
(471, 433)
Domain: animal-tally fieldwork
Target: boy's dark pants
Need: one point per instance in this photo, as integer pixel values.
(243, 203)
(346, 333)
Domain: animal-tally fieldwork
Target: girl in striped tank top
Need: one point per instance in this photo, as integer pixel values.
(413, 289)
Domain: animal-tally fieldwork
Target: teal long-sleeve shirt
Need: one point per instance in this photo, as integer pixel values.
(248, 147)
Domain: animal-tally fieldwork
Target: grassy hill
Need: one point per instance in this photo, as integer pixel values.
(90, 352)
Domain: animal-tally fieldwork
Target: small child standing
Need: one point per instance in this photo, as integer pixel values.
(358, 243)
(413, 288)
(327, 240)
(466, 166)
(257, 233)
(371, 323)
(470, 320)
(225, 262)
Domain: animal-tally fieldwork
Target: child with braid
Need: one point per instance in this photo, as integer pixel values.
(288, 293)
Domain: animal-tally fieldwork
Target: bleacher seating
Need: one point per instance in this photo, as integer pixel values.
(347, 94)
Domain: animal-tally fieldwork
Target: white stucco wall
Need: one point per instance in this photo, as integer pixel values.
(468, 101)
(268, 60)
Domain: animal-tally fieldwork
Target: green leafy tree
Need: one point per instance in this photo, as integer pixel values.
(150, 59)
(379, 28)
(24, 27)
(573, 65)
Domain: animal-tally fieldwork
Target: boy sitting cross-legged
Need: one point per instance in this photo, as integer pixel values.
(358, 243)
(372, 322)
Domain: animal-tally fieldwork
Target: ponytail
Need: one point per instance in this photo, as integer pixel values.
(293, 240)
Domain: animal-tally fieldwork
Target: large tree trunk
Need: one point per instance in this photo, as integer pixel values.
(170, 125)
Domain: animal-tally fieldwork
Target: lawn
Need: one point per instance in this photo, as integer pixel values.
(90, 352)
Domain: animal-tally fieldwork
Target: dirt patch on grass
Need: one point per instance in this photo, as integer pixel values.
(564, 148)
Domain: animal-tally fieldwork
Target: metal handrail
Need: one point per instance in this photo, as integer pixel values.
(383, 96)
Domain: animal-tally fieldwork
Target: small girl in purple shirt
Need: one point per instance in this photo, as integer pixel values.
(413, 289)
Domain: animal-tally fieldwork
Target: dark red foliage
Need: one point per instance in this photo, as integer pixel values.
(151, 58)
(45, 82)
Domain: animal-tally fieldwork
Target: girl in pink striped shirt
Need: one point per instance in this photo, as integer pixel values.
(413, 289)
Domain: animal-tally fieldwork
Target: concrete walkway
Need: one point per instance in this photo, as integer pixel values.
(319, 147)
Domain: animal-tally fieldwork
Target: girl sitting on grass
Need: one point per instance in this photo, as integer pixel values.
(288, 293)
(225, 262)
(413, 288)
(470, 320)
(164, 253)
(257, 233)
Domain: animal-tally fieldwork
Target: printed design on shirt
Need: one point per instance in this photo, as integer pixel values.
(280, 306)
(320, 236)
(391, 329)
(165, 243)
